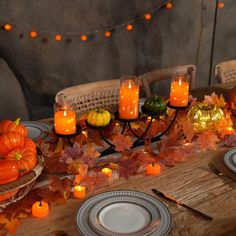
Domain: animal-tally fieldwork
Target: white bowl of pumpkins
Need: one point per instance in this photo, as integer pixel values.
(19, 164)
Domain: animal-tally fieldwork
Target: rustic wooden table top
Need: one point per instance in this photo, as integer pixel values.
(191, 182)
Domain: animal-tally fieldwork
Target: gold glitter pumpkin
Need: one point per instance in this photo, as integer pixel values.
(205, 116)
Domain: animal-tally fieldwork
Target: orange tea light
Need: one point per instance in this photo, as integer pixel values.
(179, 92)
(229, 130)
(129, 99)
(108, 172)
(153, 169)
(65, 122)
(40, 209)
(79, 191)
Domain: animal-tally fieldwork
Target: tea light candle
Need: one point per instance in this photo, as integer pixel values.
(79, 191)
(65, 122)
(153, 169)
(179, 92)
(229, 130)
(129, 98)
(40, 209)
(107, 172)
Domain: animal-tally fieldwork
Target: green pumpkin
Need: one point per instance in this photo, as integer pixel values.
(154, 105)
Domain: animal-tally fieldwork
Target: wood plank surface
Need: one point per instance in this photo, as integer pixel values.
(191, 182)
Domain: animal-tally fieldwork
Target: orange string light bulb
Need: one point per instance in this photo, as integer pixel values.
(169, 5)
(129, 27)
(33, 34)
(7, 27)
(58, 37)
(107, 34)
(148, 16)
(83, 37)
(221, 5)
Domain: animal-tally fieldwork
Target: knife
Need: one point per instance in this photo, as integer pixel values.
(171, 199)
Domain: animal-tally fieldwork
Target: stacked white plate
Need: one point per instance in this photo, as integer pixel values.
(230, 159)
(123, 213)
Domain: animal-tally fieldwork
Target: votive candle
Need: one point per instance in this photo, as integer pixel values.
(153, 169)
(179, 92)
(40, 209)
(65, 121)
(107, 172)
(79, 191)
(129, 98)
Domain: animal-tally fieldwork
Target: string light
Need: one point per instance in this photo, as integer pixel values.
(33, 34)
(221, 5)
(169, 5)
(148, 16)
(7, 27)
(106, 31)
(83, 37)
(129, 27)
(58, 37)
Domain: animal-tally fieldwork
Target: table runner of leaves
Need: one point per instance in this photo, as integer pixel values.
(83, 157)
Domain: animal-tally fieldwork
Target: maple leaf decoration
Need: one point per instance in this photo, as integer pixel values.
(215, 99)
(230, 141)
(122, 142)
(207, 141)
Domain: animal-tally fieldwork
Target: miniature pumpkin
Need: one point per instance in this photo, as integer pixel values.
(26, 157)
(98, 117)
(9, 171)
(205, 116)
(7, 126)
(154, 105)
(10, 141)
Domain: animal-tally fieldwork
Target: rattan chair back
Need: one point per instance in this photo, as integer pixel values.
(226, 71)
(156, 76)
(92, 95)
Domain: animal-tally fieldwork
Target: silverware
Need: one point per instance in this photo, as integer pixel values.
(215, 170)
(171, 199)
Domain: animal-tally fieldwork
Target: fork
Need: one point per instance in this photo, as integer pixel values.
(215, 170)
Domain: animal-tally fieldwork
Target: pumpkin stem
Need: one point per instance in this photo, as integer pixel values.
(17, 121)
(18, 156)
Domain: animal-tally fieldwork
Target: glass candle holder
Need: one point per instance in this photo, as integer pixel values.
(179, 91)
(129, 97)
(64, 119)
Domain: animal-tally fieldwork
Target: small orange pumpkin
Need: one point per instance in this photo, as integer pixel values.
(26, 156)
(7, 126)
(10, 141)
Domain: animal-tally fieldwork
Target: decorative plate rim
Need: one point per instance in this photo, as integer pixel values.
(82, 215)
(228, 159)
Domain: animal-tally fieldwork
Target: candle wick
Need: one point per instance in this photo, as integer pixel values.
(40, 203)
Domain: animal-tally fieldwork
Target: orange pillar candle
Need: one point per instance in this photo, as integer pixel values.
(64, 120)
(153, 169)
(40, 209)
(129, 98)
(79, 191)
(108, 172)
(179, 92)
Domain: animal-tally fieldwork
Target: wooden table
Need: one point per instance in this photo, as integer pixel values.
(191, 182)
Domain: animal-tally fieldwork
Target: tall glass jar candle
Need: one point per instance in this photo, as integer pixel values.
(129, 97)
(179, 91)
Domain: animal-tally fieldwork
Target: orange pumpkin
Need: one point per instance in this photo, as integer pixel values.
(7, 126)
(26, 156)
(10, 141)
(8, 171)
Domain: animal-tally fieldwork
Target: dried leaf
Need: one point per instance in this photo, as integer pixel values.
(89, 156)
(71, 154)
(230, 141)
(128, 167)
(96, 180)
(122, 142)
(207, 141)
(215, 99)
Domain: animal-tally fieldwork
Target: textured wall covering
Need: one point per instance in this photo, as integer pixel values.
(44, 66)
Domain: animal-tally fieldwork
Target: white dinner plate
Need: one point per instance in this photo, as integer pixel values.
(230, 159)
(123, 213)
(36, 129)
